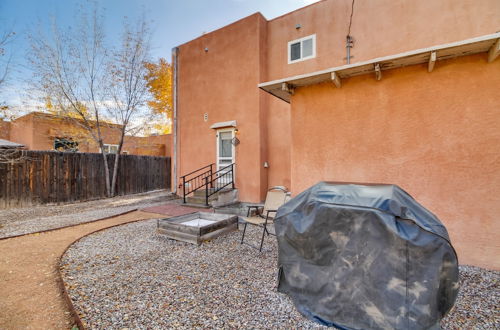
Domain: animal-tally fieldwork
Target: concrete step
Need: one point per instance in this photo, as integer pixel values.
(200, 200)
(198, 206)
(201, 192)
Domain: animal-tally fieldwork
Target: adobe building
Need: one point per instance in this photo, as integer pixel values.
(45, 131)
(415, 102)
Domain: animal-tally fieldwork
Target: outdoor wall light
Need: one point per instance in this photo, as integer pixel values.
(206, 49)
(298, 26)
(236, 131)
(266, 165)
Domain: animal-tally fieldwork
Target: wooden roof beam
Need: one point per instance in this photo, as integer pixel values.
(336, 79)
(378, 72)
(432, 61)
(494, 51)
(286, 87)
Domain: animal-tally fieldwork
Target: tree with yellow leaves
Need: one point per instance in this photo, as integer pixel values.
(159, 83)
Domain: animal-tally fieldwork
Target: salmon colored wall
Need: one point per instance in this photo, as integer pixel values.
(435, 134)
(379, 27)
(37, 131)
(222, 83)
(158, 145)
(279, 142)
(4, 130)
(21, 131)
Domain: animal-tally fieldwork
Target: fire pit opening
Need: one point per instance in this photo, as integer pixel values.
(197, 227)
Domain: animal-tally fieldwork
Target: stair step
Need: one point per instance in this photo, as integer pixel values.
(200, 200)
(198, 206)
(201, 192)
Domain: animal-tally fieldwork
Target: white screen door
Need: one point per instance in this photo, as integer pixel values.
(225, 153)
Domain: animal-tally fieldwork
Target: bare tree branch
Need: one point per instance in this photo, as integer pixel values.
(69, 69)
(89, 84)
(127, 85)
(6, 37)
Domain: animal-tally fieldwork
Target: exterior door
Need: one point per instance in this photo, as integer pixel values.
(225, 153)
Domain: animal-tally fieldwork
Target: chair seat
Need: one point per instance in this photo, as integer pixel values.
(276, 196)
(256, 220)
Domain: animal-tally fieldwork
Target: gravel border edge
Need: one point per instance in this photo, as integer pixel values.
(67, 298)
(69, 226)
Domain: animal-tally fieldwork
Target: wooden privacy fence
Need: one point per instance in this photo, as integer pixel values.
(62, 177)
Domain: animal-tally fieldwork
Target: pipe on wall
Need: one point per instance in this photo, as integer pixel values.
(175, 55)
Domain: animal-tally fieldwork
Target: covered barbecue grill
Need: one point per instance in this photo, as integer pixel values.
(365, 256)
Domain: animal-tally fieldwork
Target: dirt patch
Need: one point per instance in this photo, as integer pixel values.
(31, 293)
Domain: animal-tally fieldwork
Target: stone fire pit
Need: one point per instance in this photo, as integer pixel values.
(197, 227)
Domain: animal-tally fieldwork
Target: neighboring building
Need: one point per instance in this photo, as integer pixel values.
(4, 129)
(44, 131)
(418, 106)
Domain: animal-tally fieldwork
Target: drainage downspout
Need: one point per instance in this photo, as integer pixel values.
(175, 55)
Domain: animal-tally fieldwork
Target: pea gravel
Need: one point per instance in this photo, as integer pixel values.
(131, 277)
(46, 217)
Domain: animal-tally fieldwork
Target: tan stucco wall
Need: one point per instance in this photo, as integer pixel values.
(437, 135)
(4, 129)
(379, 28)
(158, 145)
(37, 131)
(222, 83)
(434, 134)
(21, 131)
(279, 142)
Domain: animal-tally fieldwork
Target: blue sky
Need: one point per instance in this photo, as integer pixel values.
(173, 21)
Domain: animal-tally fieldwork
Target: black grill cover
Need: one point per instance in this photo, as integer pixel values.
(365, 256)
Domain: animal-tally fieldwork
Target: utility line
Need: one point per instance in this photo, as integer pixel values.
(350, 19)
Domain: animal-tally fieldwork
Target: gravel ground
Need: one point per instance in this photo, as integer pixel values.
(33, 219)
(130, 277)
(477, 305)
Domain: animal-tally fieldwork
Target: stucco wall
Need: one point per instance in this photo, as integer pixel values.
(21, 131)
(4, 129)
(222, 83)
(158, 145)
(379, 28)
(434, 134)
(37, 131)
(279, 142)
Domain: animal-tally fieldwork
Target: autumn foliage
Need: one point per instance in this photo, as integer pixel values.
(159, 83)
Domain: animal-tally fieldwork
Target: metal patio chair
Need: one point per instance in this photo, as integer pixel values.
(264, 214)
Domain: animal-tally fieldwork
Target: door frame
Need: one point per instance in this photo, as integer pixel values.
(233, 149)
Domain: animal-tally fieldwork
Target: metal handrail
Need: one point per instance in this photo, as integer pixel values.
(218, 186)
(210, 165)
(196, 180)
(207, 179)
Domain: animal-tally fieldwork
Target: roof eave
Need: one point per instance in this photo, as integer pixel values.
(283, 88)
